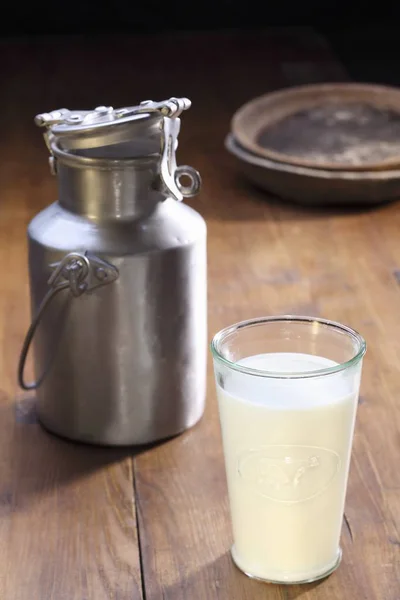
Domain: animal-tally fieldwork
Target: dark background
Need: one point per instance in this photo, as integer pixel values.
(43, 16)
(365, 37)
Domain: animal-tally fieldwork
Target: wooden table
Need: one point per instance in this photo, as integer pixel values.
(83, 523)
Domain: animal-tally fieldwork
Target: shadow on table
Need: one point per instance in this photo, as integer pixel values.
(34, 462)
(242, 201)
(222, 579)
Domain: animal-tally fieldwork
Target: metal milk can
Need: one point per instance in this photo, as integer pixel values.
(118, 279)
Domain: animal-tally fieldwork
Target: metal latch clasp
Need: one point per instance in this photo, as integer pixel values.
(170, 174)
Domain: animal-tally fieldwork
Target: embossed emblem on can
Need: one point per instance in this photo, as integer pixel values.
(288, 474)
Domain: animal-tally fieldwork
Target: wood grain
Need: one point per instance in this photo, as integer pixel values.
(68, 522)
(67, 513)
(266, 257)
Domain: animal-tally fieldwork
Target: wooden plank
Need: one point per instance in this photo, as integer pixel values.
(266, 257)
(68, 520)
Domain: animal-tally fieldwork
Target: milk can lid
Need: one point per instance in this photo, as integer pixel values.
(157, 122)
(105, 125)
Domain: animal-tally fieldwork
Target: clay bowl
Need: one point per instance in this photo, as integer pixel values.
(338, 127)
(316, 186)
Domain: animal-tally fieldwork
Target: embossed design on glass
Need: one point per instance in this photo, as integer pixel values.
(287, 393)
(288, 474)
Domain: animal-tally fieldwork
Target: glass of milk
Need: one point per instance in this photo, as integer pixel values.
(287, 393)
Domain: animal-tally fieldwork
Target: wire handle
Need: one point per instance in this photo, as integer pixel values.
(77, 273)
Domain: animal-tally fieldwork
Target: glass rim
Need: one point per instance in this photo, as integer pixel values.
(224, 333)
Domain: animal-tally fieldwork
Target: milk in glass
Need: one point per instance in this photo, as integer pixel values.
(287, 445)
